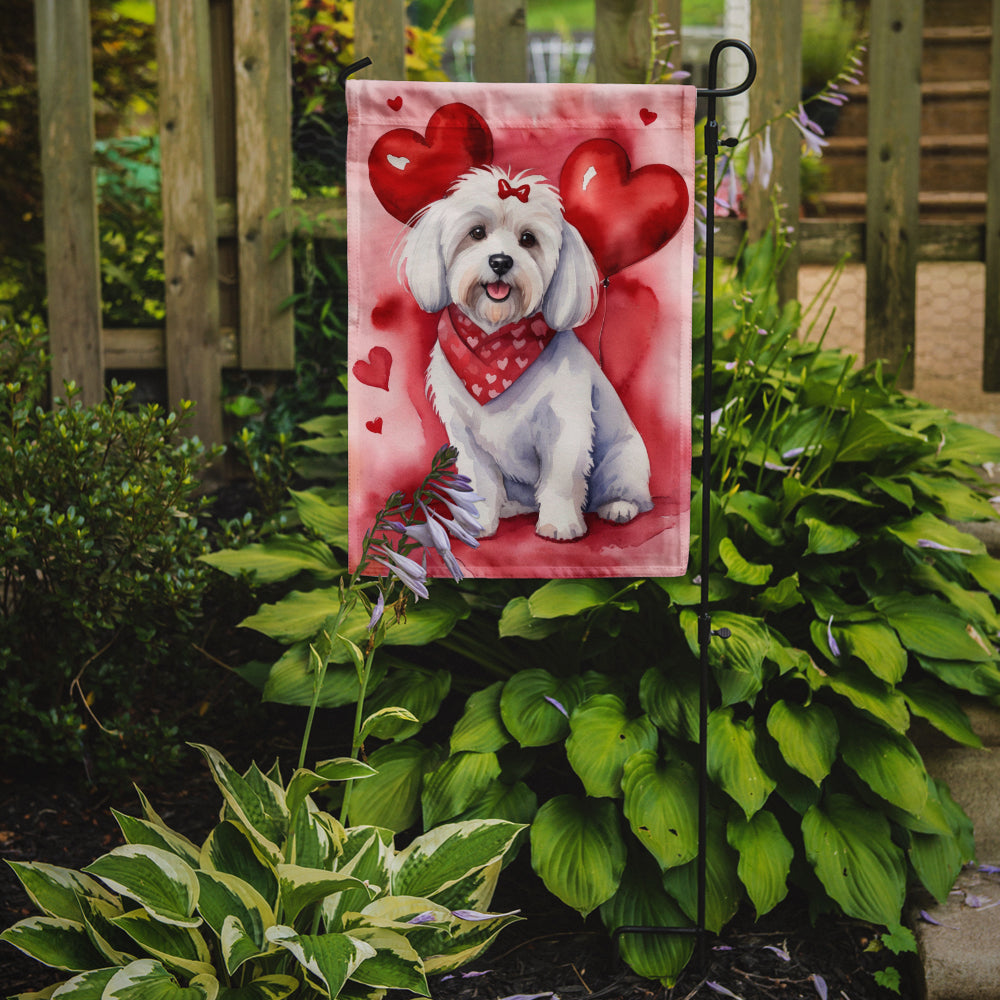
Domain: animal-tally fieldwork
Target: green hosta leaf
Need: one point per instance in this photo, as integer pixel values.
(304, 782)
(965, 443)
(395, 964)
(578, 851)
(456, 784)
(180, 948)
(641, 901)
(765, 858)
(279, 558)
(850, 848)
(893, 488)
(291, 680)
(783, 595)
(732, 760)
(438, 859)
(530, 706)
(671, 699)
(147, 979)
(559, 598)
(941, 709)
(516, 803)
(141, 831)
(415, 689)
(928, 528)
(661, 798)
(957, 501)
(828, 539)
(230, 849)
(327, 520)
(758, 511)
(386, 723)
(751, 574)
(975, 605)
(976, 678)
(807, 736)
(986, 571)
(517, 620)
(481, 728)
(56, 891)
(738, 661)
(866, 692)
(937, 859)
(275, 987)
(888, 763)
(931, 628)
(260, 809)
(391, 798)
(54, 941)
(876, 646)
(723, 889)
(159, 881)
(226, 898)
(330, 959)
(301, 887)
(684, 592)
(602, 738)
(870, 436)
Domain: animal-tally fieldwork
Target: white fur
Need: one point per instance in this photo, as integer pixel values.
(559, 440)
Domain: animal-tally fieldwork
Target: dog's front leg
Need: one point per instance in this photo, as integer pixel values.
(562, 490)
(484, 474)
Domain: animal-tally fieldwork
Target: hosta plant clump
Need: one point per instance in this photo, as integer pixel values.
(279, 900)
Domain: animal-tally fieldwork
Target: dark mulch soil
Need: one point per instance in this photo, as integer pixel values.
(551, 951)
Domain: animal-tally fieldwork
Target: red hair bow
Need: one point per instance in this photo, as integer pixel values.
(506, 191)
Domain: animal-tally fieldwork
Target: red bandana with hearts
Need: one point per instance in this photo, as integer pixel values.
(489, 363)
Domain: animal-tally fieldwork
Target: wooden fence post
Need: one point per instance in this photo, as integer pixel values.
(776, 35)
(501, 41)
(622, 40)
(991, 333)
(262, 61)
(380, 34)
(190, 251)
(892, 214)
(72, 254)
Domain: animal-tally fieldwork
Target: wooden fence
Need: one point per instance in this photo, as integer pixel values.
(226, 160)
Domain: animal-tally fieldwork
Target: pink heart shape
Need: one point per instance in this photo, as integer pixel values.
(374, 371)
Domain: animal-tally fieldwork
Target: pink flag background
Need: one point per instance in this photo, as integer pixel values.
(640, 331)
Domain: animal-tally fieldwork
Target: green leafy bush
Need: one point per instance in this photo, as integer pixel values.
(280, 899)
(101, 584)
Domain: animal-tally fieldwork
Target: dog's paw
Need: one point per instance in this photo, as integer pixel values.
(562, 532)
(618, 511)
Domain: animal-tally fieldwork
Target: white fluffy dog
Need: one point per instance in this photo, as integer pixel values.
(554, 437)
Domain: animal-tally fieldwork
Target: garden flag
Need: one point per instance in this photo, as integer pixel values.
(520, 284)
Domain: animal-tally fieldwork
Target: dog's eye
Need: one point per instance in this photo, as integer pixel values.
(527, 239)
(478, 233)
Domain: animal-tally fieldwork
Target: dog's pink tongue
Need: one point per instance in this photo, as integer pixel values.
(498, 290)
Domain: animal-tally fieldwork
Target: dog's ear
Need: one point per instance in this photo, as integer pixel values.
(571, 297)
(421, 264)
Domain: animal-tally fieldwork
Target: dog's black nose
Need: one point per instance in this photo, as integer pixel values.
(500, 263)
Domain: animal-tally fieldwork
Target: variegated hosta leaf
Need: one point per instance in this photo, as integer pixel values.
(177, 947)
(274, 987)
(315, 838)
(441, 857)
(578, 851)
(466, 941)
(850, 847)
(642, 902)
(158, 880)
(888, 763)
(54, 941)
(535, 706)
(256, 801)
(602, 737)
(732, 760)
(367, 853)
(723, 889)
(807, 736)
(301, 887)
(147, 979)
(230, 849)
(661, 800)
(141, 831)
(328, 959)
(391, 799)
(395, 964)
(456, 784)
(765, 858)
(304, 782)
(225, 897)
(116, 947)
(86, 986)
(476, 890)
(481, 727)
(56, 891)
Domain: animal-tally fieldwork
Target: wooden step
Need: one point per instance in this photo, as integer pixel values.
(945, 12)
(956, 53)
(958, 206)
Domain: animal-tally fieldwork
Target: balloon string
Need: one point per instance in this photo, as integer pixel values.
(604, 316)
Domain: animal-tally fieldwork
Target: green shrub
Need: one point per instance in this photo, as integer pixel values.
(101, 584)
(279, 900)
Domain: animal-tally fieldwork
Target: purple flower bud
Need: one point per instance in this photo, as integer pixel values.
(558, 705)
(377, 612)
(427, 917)
(834, 648)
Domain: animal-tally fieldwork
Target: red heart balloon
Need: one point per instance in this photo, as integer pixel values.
(622, 214)
(409, 171)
